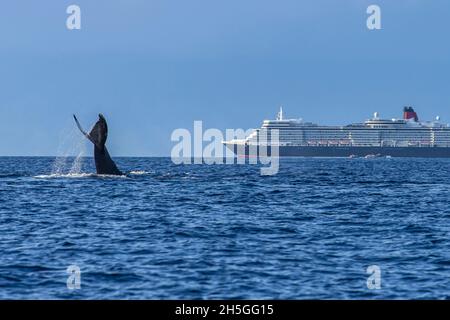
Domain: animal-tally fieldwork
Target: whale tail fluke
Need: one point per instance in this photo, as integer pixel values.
(99, 132)
(98, 135)
(81, 128)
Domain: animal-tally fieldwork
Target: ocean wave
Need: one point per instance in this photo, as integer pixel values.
(11, 175)
(332, 217)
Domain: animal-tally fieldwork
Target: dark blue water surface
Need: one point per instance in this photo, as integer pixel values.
(225, 231)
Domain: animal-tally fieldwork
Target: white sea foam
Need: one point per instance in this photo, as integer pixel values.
(139, 172)
(78, 176)
(77, 165)
(68, 175)
(110, 176)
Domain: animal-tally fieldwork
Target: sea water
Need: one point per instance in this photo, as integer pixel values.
(167, 231)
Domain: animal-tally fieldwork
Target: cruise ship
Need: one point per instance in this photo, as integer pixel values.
(404, 137)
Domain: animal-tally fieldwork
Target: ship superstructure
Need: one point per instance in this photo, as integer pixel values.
(407, 137)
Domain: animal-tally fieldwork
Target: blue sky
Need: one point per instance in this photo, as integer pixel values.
(152, 66)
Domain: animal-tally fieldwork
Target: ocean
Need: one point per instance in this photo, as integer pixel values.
(169, 231)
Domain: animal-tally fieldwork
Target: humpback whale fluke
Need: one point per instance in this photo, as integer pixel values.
(98, 135)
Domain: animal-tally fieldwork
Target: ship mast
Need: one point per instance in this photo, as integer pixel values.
(280, 114)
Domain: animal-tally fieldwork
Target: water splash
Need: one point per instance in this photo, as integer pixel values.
(77, 164)
(71, 150)
(59, 165)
